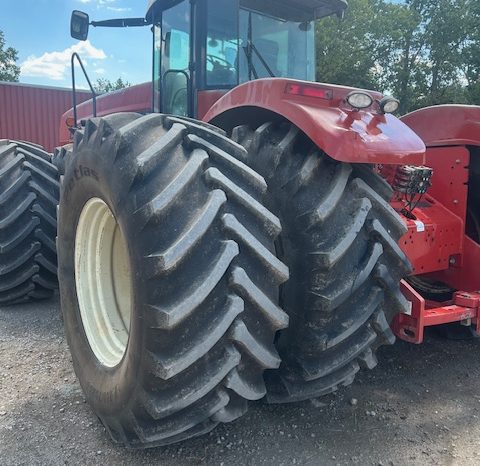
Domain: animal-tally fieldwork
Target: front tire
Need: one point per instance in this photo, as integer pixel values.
(186, 329)
(340, 241)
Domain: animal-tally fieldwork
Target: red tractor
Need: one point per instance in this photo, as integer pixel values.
(247, 232)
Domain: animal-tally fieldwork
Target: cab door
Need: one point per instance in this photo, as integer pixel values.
(173, 58)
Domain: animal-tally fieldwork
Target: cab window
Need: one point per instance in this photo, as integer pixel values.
(222, 44)
(274, 47)
(175, 35)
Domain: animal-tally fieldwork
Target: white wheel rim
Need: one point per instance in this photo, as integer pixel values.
(103, 280)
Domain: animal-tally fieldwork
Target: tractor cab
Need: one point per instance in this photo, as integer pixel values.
(205, 47)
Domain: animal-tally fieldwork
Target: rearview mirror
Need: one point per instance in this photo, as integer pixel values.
(79, 25)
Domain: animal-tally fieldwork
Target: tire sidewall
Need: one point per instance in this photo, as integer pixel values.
(108, 390)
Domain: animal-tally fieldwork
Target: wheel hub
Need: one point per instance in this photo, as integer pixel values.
(103, 281)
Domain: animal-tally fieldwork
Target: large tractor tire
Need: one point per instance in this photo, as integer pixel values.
(168, 277)
(339, 240)
(28, 222)
(60, 156)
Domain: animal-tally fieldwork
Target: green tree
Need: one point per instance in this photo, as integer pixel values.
(9, 71)
(347, 50)
(425, 52)
(402, 63)
(103, 85)
(471, 54)
(444, 29)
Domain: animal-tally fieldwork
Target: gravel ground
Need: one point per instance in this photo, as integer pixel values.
(420, 406)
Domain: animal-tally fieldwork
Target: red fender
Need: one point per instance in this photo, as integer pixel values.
(446, 125)
(342, 133)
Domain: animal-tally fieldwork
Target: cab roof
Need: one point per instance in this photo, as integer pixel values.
(292, 10)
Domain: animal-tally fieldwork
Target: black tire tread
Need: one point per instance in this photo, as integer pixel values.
(344, 287)
(29, 193)
(192, 384)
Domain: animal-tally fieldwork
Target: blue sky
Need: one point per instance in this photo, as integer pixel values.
(40, 31)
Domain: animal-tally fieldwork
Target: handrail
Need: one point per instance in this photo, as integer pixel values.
(75, 55)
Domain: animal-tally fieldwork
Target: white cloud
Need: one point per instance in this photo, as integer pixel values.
(107, 4)
(100, 71)
(98, 2)
(53, 65)
(118, 9)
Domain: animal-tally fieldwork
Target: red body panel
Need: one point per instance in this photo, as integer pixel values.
(433, 239)
(442, 250)
(464, 274)
(450, 177)
(450, 191)
(206, 99)
(31, 113)
(438, 234)
(132, 99)
(446, 125)
(344, 134)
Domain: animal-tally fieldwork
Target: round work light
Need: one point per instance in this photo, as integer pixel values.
(359, 100)
(389, 105)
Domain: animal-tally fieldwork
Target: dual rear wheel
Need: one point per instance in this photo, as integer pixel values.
(174, 275)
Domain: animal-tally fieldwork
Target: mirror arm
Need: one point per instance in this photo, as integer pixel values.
(121, 23)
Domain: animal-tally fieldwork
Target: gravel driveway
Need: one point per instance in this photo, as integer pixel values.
(420, 406)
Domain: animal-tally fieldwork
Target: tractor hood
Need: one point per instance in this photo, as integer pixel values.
(292, 10)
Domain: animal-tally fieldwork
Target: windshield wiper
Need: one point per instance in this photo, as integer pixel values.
(249, 49)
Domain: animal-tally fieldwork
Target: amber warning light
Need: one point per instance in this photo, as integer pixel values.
(309, 91)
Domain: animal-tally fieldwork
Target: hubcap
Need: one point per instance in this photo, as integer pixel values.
(103, 280)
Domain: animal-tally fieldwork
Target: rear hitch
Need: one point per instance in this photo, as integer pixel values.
(464, 308)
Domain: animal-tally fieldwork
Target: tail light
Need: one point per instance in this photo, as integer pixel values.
(307, 90)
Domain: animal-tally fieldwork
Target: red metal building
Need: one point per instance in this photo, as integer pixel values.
(33, 113)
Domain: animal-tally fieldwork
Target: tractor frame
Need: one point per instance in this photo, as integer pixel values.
(445, 138)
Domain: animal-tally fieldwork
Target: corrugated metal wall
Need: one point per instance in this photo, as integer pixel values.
(32, 113)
